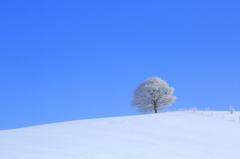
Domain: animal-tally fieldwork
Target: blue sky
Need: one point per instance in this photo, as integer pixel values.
(71, 60)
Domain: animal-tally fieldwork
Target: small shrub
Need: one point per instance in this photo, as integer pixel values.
(194, 109)
(231, 110)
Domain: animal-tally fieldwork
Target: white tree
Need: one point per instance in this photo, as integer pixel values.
(194, 109)
(231, 110)
(153, 95)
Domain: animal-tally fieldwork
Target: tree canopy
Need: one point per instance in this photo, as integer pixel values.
(153, 95)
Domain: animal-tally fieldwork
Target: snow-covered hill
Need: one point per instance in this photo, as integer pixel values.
(173, 135)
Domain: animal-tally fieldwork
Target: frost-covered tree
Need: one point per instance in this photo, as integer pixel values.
(153, 95)
(231, 110)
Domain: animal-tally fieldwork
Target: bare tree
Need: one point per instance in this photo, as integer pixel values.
(153, 95)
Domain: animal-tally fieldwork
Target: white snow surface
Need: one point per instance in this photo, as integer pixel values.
(172, 135)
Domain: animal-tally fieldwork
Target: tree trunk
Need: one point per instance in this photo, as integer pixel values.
(155, 106)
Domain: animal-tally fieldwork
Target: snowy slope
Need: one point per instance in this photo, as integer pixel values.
(174, 135)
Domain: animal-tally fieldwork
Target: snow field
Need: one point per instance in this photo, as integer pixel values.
(172, 135)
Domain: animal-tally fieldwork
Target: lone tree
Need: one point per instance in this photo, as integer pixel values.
(153, 95)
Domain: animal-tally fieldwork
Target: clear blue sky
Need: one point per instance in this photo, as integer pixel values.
(81, 59)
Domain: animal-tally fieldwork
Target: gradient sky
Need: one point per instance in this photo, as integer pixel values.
(81, 59)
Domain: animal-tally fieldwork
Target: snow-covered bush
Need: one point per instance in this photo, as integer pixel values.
(194, 109)
(153, 95)
(231, 110)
